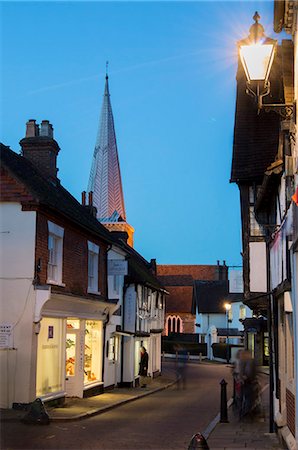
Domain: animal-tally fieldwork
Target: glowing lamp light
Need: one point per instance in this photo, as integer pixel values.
(227, 306)
(257, 53)
(257, 60)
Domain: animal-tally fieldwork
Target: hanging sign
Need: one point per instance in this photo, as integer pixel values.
(117, 267)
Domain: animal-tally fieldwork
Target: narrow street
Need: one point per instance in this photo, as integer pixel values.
(165, 420)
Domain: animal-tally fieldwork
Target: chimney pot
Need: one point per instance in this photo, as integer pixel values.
(46, 129)
(32, 129)
(90, 198)
(84, 198)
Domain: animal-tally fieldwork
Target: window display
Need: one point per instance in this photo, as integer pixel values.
(93, 351)
(49, 357)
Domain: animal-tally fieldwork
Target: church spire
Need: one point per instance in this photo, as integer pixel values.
(105, 176)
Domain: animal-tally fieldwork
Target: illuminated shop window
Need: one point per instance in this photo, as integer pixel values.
(93, 351)
(50, 371)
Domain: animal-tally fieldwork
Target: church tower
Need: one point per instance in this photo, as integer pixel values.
(105, 177)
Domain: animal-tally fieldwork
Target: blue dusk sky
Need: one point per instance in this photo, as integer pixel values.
(172, 69)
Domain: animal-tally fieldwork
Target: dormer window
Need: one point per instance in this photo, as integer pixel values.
(93, 254)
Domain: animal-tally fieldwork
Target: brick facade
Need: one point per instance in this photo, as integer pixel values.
(179, 282)
(290, 405)
(12, 190)
(75, 247)
(75, 256)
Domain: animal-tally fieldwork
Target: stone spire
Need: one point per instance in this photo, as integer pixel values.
(105, 177)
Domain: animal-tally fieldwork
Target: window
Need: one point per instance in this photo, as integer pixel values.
(93, 252)
(113, 349)
(116, 283)
(93, 351)
(49, 376)
(242, 312)
(174, 325)
(55, 253)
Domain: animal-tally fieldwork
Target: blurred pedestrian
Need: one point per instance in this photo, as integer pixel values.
(249, 383)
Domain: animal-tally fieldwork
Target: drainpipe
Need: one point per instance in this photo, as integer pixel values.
(125, 286)
(271, 344)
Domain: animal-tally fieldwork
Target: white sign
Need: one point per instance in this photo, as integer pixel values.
(130, 310)
(5, 335)
(236, 281)
(117, 267)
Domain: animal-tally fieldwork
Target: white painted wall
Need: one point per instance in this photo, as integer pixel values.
(17, 243)
(257, 264)
(112, 370)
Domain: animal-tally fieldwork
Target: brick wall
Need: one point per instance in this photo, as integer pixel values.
(75, 255)
(11, 190)
(75, 248)
(198, 272)
(290, 405)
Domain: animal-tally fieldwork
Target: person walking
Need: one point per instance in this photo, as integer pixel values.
(143, 372)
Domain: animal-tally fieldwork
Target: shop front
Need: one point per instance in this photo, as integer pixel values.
(70, 350)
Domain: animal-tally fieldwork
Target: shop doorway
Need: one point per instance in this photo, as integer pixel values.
(73, 360)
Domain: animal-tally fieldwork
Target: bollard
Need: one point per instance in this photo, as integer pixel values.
(37, 413)
(223, 402)
(200, 357)
(176, 355)
(188, 356)
(198, 441)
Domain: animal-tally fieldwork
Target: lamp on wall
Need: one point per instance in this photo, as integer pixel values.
(227, 308)
(257, 53)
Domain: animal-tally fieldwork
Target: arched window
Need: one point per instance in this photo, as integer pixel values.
(178, 325)
(174, 324)
(173, 330)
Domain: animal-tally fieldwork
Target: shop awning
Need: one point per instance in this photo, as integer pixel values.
(61, 305)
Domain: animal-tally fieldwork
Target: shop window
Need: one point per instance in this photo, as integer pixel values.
(93, 252)
(73, 324)
(50, 358)
(55, 253)
(93, 351)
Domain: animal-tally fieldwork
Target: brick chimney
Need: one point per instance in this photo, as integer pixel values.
(40, 147)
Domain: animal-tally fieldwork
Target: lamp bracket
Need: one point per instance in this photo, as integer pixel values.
(285, 110)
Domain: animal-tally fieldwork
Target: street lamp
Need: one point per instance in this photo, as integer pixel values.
(257, 53)
(227, 308)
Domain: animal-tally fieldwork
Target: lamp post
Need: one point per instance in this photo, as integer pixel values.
(227, 308)
(257, 53)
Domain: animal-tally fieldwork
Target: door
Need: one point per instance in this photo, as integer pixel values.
(73, 360)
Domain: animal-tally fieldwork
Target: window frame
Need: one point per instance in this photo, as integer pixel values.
(55, 254)
(93, 255)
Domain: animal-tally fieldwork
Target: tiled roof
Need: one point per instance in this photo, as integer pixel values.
(209, 296)
(256, 135)
(53, 196)
(139, 270)
(180, 299)
(57, 198)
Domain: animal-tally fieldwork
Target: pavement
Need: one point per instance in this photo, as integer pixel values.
(246, 434)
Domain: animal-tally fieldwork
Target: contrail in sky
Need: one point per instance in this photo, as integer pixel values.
(124, 69)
